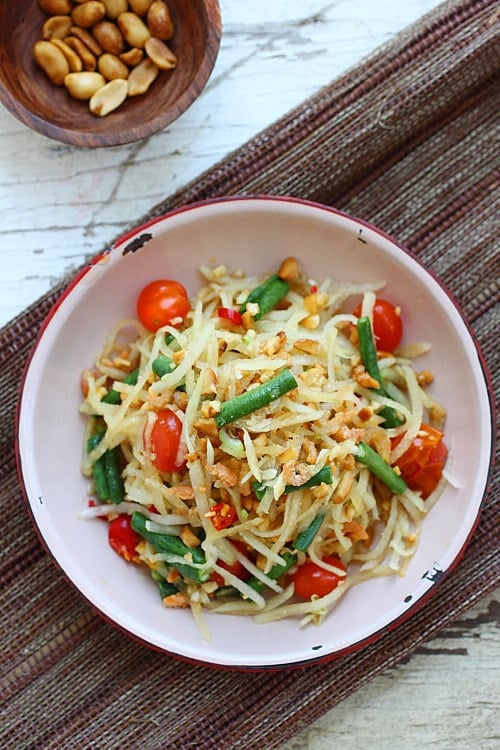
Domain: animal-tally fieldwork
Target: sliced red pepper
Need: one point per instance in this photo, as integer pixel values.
(222, 515)
(228, 313)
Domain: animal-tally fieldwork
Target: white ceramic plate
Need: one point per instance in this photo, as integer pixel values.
(256, 234)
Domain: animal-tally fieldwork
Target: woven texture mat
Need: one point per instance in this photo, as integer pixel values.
(409, 141)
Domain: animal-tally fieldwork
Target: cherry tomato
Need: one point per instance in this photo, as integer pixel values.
(387, 325)
(122, 537)
(160, 302)
(311, 580)
(422, 464)
(222, 515)
(165, 441)
(228, 313)
(236, 568)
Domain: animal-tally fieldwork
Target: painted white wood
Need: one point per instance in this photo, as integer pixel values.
(60, 205)
(444, 698)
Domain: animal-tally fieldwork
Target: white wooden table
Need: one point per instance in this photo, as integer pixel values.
(59, 205)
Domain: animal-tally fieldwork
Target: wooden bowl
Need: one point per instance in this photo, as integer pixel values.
(27, 92)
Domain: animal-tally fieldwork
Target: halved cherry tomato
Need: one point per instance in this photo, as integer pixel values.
(236, 568)
(160, 302)
(422, 464)
(165, 441)
(122, 537)
(222, 515)
(230, 314)
(311, 580)
(387, 325)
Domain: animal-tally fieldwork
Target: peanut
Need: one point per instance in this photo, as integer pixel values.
(109, 37)
(132, 57)
(89, 61)
(52, 61)
(160, 54)
(134, 30)
(109, 97)
(74, 62)
(56, 27)
(309, 346)
(83, 85)
(111, 67)
(140, 6)
(289, 269)
(159, 20)
(141, 77)
(88, 14)
(115, 7)
(88, 39)
(105, 50)
(56, 7)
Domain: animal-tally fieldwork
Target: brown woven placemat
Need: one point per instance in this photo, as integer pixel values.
(407, 140)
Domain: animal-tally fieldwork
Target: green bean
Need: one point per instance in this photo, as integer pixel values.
(162, 366)
(289, 559)
(324, 475)
(113, 396)
(304, 539)
(267, 295)
(98, 469)
(256, 398)
(116, 492)
(172, 545)
(381, 468)
(165, 588)
(368, 352)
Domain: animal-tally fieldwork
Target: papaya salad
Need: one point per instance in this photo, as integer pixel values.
(259, 449)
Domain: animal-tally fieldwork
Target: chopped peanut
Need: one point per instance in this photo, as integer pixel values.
(178, 356)
(273, 345)
(189, 537)
(179, 600)
(209, 382)
(311, 322)
(247, 321)
(425, 377)
(344, 487)
(310, 303)
(289, 270)
(173, 575)
(365, 413)
(207, 426)
(310, 451)
(437, 414)
(183, 491)
(364, 378)
(354, 531)
(289, 454)
(309, 346)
